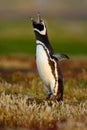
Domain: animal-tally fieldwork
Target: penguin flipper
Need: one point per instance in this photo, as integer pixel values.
(61, 56)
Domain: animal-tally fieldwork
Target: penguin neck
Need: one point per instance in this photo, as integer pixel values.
(44, 39)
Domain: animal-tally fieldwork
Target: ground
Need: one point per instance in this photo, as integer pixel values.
(22, 96)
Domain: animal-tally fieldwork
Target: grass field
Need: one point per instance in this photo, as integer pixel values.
(65, 36)
(22, 97)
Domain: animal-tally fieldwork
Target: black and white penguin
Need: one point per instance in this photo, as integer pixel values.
(47, 62)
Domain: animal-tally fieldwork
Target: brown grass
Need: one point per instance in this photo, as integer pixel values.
(22, 97)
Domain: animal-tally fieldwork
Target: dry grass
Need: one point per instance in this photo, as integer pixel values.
(18, 110)
(22, 101)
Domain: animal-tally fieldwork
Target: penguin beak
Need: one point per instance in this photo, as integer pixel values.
(36, 22)
(33, 21)
(39, 18)
(39, 24)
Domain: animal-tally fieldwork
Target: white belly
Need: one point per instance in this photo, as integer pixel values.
(43, 66)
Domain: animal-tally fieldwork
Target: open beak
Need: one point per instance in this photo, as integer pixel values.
(39, 19)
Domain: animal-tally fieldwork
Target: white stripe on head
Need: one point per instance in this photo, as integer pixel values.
(43, 32)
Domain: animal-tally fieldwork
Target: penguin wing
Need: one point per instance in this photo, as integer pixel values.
(61, 56)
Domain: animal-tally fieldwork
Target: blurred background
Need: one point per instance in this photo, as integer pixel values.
(66, 22)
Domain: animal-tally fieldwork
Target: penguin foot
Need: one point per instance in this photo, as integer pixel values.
(59, 97)
(48, 96)
(53, 97)
(56, 98)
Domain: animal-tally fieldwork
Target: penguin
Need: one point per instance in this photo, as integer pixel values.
(47, 62)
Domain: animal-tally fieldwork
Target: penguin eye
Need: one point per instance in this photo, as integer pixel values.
(40, 27)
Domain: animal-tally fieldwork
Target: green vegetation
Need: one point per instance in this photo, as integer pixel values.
(22, 97)
(65, 36)
(27, 46)
(19, 46)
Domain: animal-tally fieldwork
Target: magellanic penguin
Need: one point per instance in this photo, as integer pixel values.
(47, 62)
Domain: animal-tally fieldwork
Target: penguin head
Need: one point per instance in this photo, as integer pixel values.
(39, 26)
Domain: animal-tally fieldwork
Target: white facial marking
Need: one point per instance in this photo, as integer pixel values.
(43, 32)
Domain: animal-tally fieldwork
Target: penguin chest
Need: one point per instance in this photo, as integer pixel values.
(44, 69)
